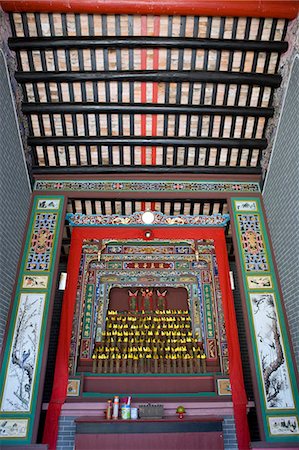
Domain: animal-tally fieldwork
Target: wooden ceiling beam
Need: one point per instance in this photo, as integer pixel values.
(91, 42)
(147, 141)
(170, 76)
(127, 169)
(141, 108)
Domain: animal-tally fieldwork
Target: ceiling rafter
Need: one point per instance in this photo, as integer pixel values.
(109, 93)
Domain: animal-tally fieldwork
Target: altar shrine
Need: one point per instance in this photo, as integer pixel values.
(174, 326)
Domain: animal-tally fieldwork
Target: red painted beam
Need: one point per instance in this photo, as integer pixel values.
(254, 8)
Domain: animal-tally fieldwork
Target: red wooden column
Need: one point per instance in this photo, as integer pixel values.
(235, 363)
(61, 367)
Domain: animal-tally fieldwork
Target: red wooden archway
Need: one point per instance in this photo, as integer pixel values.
(168, 233)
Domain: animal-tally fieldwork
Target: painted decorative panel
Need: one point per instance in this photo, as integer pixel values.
(35, 281)
(13, 428)
(40, 251)
(73, 387)
(17, 391)
(283, 425)
(20, 372)
(146, 186)
(88, 220)
(276, 379)
(223, 386)
(253, 247)
(271, 352)
(259, 282)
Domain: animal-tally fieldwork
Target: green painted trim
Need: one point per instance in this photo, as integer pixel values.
(266, 413)
(30, 415)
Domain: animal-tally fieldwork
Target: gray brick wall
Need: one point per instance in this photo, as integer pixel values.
(66, 435)
(14, 198)
(281, 197)
(229, 433)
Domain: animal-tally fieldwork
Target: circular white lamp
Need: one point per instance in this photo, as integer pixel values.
(148, 217)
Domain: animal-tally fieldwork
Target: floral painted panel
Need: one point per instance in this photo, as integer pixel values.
(253, 247)
(277, 385)
(35, 281)
(21, 370)
(39, 257)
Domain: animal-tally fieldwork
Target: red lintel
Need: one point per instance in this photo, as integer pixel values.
(235, 8)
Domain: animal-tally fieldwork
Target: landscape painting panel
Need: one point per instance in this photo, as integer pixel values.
(246, 205)
(48, 204)
(287, 425)
(271, 352)
(18, 387)
(259, 282)
(13, 428)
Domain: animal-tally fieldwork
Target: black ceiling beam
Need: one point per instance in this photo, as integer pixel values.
(141, 108)
(170, 76)
(92, 42)
(147, 141)
(124, 169)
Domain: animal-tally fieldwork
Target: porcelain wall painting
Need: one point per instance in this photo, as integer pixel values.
(48, 204)
(35, 282)
(246, 206)
(13, 428)
(19, 381)
(287, 425)
(271, 352)
(259, 282)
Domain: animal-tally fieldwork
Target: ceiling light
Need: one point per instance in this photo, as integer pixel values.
(148, 217)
